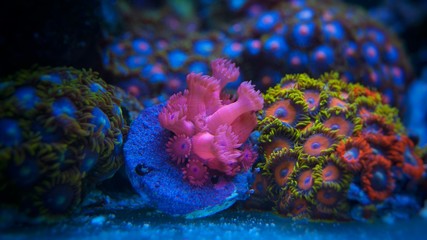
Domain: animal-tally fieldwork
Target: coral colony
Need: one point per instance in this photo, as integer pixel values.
(190, 156)
(209, 132)
(319, 143)
(333, 151)
(61, 132)
(328, 150)
(271, 40)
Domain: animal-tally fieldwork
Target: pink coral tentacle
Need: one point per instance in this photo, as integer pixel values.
(225, 147)
(202, 90)
(175, 121)
(244, 125)
(225, 71)
(248, 157)
(248, 100)
(178, 99)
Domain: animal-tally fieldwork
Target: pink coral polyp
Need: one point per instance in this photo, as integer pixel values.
(211, 129)
(195, 172)
(248, 100)
(225, 71)
(179, 148)
(248, 157)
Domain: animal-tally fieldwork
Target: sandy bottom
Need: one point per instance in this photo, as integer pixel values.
(233, 224)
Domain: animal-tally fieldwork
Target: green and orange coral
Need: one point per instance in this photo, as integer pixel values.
(319, 136)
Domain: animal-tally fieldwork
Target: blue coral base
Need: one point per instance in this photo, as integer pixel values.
(154, 175)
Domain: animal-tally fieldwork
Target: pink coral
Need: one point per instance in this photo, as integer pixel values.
(225, 71)
(200, 91)
(209, 130)
(195, 172)
(243, 125)
(247, 157)
(249, 101)
(173, 116)
(179, 148)
(220, 150)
